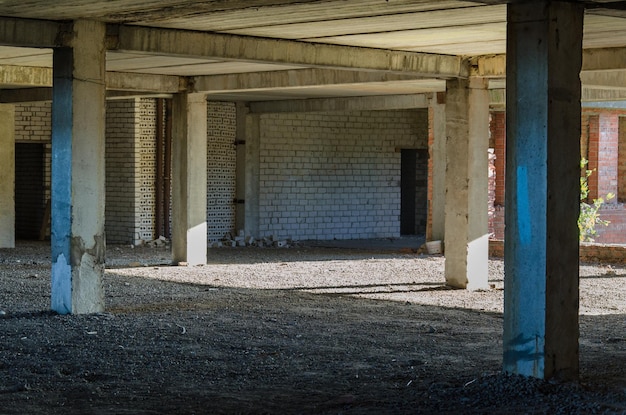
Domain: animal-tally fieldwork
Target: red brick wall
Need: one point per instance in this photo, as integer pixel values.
(603, 143)
(497, 129)
(606, 253)
(498, 136)
(593, 145)
(607, 155)
(621, 165)
(615, 232)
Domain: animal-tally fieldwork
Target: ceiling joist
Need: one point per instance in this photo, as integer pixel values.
(245, 48)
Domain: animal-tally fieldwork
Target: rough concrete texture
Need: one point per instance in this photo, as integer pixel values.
(7, 176)
(467, 122)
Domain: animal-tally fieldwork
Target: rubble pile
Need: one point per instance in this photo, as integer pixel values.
(243, 240)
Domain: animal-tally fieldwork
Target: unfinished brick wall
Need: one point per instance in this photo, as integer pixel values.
(621, 163)
(335, 175)
(121, 171)
(145, 133)
(33, 124)
(497, 130)
(602, 154)
(221, 168)
(603, 143)
(130, 171)
(430, 166)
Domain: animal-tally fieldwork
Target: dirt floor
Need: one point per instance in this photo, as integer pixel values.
(303, 330)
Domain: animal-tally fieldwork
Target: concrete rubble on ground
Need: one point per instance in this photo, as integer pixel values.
(242, 240)
(160, 242)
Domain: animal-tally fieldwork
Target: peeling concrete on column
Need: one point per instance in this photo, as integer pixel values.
(62, 287)
(87, 272)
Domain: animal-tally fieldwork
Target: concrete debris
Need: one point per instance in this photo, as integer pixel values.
(160, 242)
(243, 240)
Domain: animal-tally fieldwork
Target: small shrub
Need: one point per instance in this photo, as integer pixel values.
(589, 217)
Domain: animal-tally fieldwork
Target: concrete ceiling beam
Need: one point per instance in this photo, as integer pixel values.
(34, 77)
(29, 32)
(125, 81)
(386, 102)
(297, 78)
(223, 46)
(601, 59)
(25, 76)
(612, 79)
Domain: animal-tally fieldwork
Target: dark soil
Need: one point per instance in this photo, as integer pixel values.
(180, 348)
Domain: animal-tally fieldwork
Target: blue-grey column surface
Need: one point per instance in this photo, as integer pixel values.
(544, 57)
(61, 181)
(77, 194)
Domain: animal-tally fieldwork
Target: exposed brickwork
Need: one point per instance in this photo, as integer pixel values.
(33, 124)
(121, 172)
(596, 252)
(621, 165)
(603, 143)
(497, 129)
(603, 152)
(335, 175)
(145, 133)
(130, 170)
(429, 192)
(221, 169)
(593, 144)
(615, 232)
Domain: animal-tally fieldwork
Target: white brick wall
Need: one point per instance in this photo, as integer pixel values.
(131, 169)
(33, 123)
(221, 168)
(146, 193)
(121, 182)
(335, 175)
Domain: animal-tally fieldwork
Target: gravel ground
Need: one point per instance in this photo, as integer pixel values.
(278, 331)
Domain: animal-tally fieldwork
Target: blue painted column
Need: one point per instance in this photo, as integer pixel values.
(77, 214)
(544, 57)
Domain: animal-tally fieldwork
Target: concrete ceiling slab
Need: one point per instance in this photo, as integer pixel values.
(441, 28)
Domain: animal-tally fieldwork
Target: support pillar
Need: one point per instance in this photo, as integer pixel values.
(7, 176)
(437, 167)
(78, 172)
(466, 219)
(544, 57)
(189, 179)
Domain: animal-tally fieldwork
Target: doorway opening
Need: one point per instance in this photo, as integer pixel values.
(29, 190)
(413, 191)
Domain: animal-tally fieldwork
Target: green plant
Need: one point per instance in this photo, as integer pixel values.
(589, 217)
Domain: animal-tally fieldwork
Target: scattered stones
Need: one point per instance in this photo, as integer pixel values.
(160, 242)
(243, 240)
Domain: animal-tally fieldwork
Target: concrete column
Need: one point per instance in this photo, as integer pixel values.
(467, 145)
(7, 176)
(77, 216)
(544, 57)
(437, 119)
(253, 166)
(189, 179)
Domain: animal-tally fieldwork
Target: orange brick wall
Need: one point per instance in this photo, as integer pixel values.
(603, 143)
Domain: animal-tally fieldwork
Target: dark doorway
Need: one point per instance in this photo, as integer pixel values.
(413, 191)
(29, 189)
